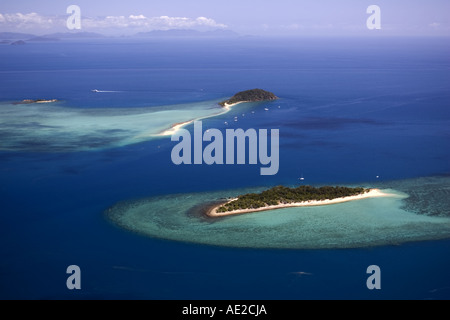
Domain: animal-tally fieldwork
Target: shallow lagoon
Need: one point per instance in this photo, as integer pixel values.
(57, 128)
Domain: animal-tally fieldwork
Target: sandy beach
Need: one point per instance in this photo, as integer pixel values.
(228, 106)
(176, 126)
(371, 194)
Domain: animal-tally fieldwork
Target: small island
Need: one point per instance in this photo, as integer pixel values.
(18, 43)
(29, 101)
(253, 95)
(283, 197)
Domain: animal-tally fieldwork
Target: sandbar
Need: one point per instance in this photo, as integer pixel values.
(176, 126)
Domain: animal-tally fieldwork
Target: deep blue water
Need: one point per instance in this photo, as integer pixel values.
(350, 110)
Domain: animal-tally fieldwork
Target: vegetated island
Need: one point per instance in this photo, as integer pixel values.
(283, 197)
(253, 95)
(29, 101)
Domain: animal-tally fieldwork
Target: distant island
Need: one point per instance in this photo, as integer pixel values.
(283, 197)
(18, 43)
(253, 95)
(29, 101)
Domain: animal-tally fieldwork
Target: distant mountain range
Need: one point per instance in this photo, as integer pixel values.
(75, 35)
(49, 37)
(15, 36)
(188, 33)
(6, 37)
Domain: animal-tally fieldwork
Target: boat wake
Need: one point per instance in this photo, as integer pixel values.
(105, 91)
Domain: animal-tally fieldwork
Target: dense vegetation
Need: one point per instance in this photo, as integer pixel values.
(250, 96)
(285, 195)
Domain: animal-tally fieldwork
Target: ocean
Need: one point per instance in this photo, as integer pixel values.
(370, 112)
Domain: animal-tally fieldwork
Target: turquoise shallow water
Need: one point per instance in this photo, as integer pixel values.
(361, 223)
(54, 127)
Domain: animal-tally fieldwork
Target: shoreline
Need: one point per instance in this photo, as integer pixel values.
(176, 126)
(32, 101)
(228, 106)
(212, 212)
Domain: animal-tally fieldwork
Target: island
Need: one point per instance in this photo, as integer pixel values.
(29, 101)
(18, 43)
(253, 95)
(283, 197)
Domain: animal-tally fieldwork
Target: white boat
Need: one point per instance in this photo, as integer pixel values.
(95, 90)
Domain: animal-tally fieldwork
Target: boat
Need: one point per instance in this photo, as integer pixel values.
(95, 90)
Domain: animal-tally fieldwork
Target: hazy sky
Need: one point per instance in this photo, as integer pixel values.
(256, 17)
